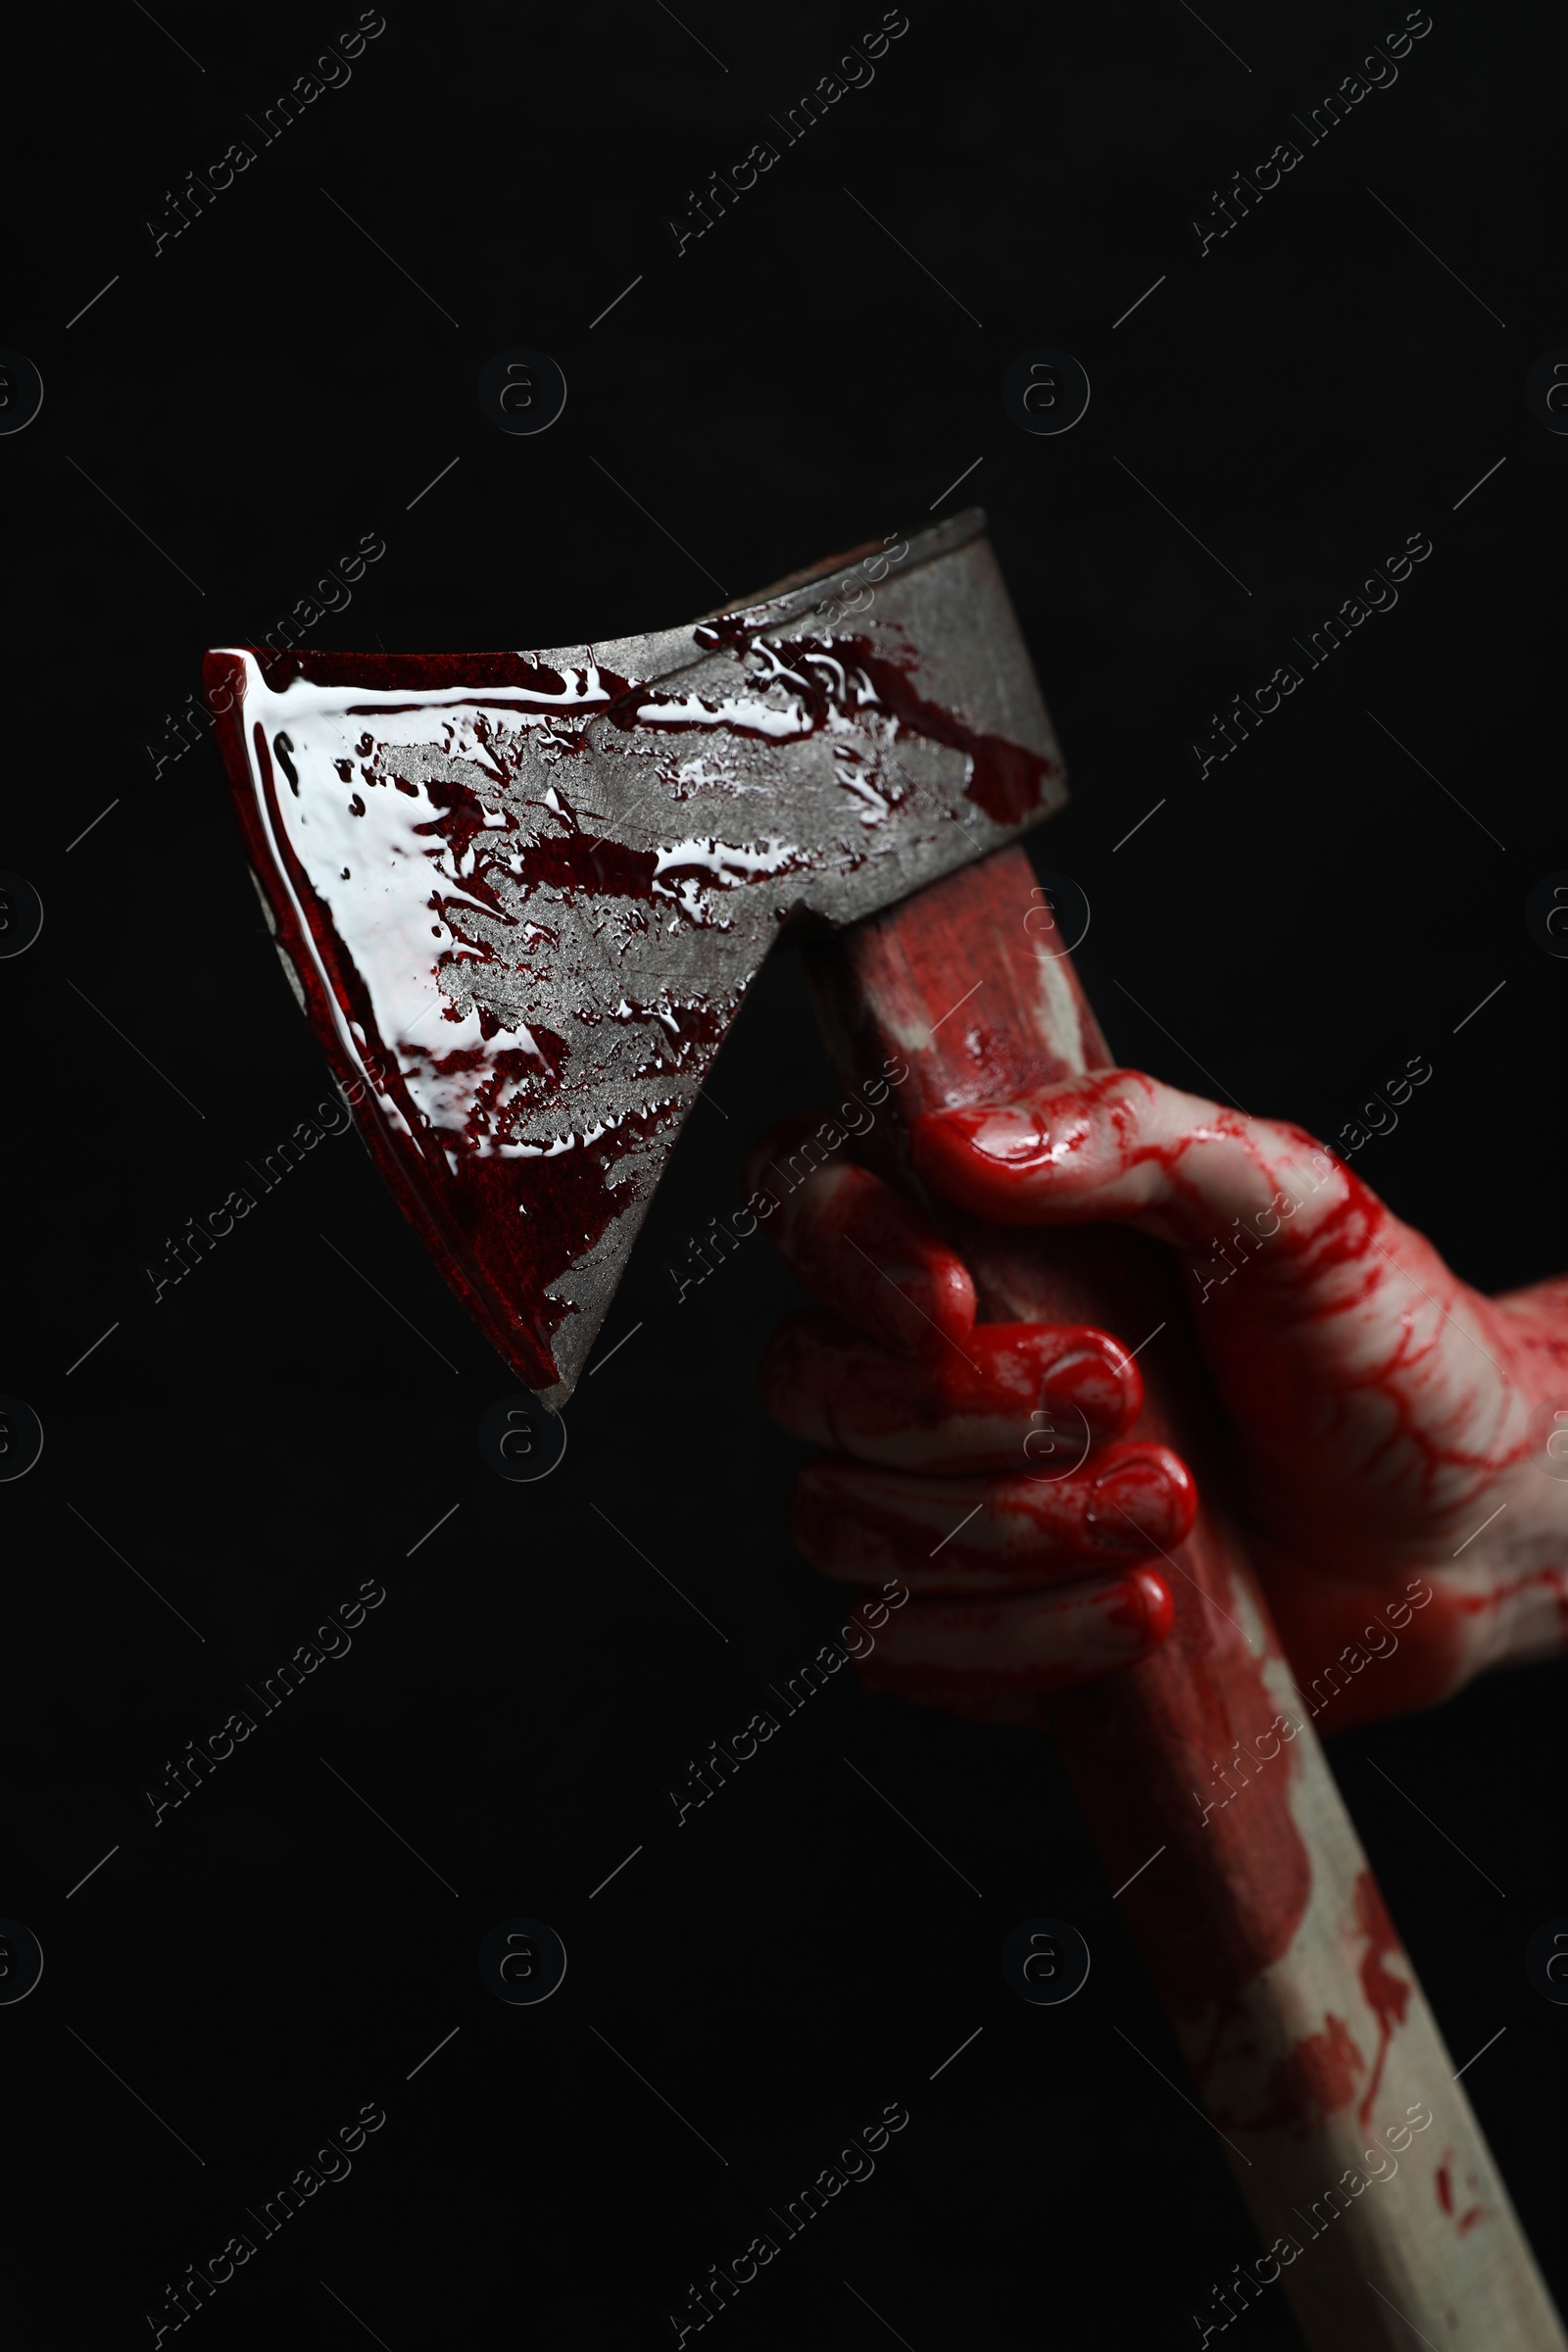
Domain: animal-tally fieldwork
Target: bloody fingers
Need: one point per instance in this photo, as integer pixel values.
(859, 1246)
(1014, 1397)
(982, 1465)
(961, 1653)
(991, 1534)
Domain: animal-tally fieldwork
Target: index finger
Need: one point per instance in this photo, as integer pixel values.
(858, 1245)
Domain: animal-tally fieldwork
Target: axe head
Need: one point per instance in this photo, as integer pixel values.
(520, 896)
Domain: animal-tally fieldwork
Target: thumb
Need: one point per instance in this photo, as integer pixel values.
(1123, 1146)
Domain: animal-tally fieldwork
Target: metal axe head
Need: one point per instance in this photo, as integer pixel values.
(522, 895)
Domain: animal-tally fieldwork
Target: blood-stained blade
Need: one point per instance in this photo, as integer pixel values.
(522, 896)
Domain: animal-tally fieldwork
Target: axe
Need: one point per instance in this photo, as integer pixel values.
(522, 896)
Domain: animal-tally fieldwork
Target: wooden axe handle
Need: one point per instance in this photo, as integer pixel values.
(1299, 2013)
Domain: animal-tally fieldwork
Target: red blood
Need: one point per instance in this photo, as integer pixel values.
(846, 676)
(1375, 1397)
(1315, 2080)
(865, 1524)
(1320, 2074)
(506, 1230)
(726, 629)
(1014, 1648)
(499, 1253)
(1445, 2187)
(603, 869)
(852, 1239)
(1143, 1604)
(1373, 1404)
(1005, 780)
(1388, 1997)
(1246, 1868)
(972, 1407)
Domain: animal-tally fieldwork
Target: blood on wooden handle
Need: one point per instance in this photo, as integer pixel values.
(1309, 2038)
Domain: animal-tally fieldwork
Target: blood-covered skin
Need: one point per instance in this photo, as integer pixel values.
(903, 1378)
(966, 1407)
(992, 1535)
(862, 1246)
(974, 1657)
(1387, 1423)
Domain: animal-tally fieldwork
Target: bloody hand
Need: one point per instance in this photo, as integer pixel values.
(1387, 1425)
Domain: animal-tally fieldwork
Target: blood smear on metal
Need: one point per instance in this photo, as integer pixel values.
(524, 904)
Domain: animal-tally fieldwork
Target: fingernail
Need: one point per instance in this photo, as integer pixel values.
(1142, 1607)
(1008, 1135)
(1133, 1506)
(1107, 1395)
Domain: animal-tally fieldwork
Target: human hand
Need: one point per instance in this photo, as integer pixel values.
(1386, 1422)
(945, 1470)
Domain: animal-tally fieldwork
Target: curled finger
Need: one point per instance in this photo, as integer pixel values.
(864, 1525)
(972, 1654)
(857, 1244)
(1012, 1393)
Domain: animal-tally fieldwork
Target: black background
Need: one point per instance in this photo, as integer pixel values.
(219, 428)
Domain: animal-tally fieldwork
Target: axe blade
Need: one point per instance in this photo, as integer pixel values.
(522, 896)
